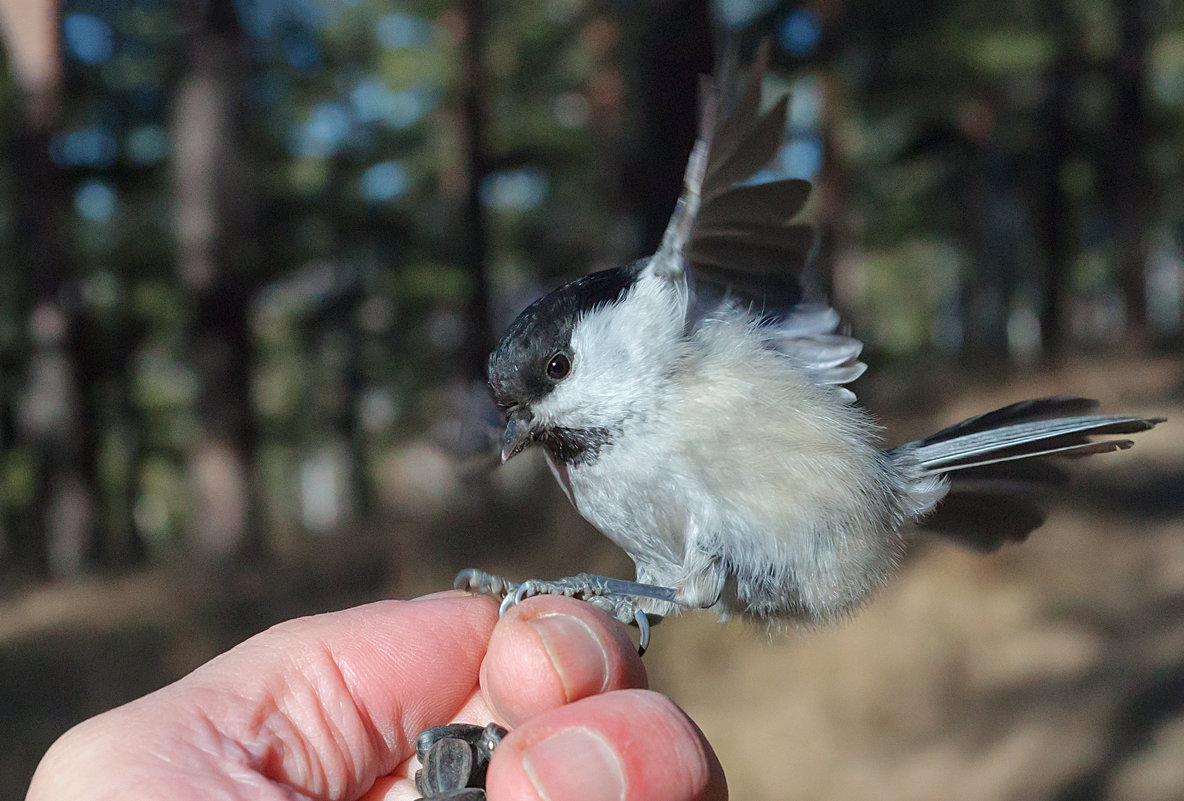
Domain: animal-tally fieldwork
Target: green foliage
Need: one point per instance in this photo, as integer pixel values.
(945, 127)
(18, 471)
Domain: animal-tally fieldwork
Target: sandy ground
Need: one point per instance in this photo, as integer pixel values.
(1050, 670)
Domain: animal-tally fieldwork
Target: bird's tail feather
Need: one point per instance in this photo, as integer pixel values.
(1034, 428)
(997, 462)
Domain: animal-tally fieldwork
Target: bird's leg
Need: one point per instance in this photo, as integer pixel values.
(702, 578)
(616, 596)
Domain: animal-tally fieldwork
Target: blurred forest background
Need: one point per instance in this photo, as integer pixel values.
(256, 252)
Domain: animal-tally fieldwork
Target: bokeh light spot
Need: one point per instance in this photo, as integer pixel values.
(147, 144)
(520, 190)
(801, 32)
(88, 38)
(395, 31)
(384, 181)
(96, 201)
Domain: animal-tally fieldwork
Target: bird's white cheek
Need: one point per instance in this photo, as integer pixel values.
(620, 354)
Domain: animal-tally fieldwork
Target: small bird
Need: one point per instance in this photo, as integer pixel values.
(692, 407)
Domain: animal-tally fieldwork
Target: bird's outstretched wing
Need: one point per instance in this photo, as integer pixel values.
(735, 238)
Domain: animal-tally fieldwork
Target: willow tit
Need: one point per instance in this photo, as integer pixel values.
(692, 407)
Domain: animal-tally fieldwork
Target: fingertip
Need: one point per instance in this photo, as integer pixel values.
(550, 651)
(622, 746)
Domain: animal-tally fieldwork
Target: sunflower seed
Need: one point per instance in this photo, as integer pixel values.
(460, 731)
(455, 758)
(448, 766)
(467, 794)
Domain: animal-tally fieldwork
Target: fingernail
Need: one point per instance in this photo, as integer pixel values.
(575, 765)
(576, 652)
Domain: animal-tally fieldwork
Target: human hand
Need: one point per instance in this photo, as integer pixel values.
(328, 707)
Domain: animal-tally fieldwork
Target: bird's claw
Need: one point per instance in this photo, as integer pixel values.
(643, 631)
(482, 583)
(584, 587)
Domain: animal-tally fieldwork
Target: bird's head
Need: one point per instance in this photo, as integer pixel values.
(583, 361)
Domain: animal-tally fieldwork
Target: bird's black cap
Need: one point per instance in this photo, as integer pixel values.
(518, 365)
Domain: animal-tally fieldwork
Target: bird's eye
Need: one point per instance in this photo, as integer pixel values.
(559, 366)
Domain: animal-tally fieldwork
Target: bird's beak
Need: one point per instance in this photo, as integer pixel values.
(518, 434)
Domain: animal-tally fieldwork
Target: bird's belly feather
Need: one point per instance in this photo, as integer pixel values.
(805, 534)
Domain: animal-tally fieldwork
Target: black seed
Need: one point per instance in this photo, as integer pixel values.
(477, 775)
(491, 736)
(448, 766)
(466, 794)
(460, 731)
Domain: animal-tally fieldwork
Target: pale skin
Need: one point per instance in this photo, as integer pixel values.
(328, 708)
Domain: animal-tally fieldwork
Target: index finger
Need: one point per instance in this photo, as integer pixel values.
(321, 705)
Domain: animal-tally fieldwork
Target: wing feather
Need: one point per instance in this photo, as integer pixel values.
(757, 249)
(769, 203)
(734, 239)
(752, 151)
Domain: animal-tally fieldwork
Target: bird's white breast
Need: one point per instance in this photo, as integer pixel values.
(741, 462)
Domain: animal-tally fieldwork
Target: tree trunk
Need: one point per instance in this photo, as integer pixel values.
(674, 51)
(1053, 206)
(479, 328)
(213, 218)
(59, 535)
(1129, 175)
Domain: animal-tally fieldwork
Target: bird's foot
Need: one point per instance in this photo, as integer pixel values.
(617, 597)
